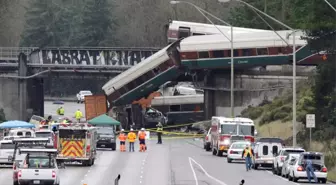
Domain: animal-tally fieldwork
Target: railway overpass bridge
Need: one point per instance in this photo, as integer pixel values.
(27, 74)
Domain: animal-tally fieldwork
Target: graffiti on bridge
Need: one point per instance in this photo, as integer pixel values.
(93, 57)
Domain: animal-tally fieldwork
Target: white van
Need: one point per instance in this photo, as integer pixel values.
(264, 153)
(22, 132)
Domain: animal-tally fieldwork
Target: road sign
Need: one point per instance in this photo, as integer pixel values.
(310, 120)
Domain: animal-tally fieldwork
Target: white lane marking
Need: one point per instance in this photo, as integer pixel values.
(206, 173)
(192, 169)
(282, 178)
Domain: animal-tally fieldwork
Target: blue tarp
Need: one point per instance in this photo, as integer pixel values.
(16, 124)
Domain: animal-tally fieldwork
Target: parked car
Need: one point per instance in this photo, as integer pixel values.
(235, 151)
(286, 164)
(297, 168)
(207, 141)
(264, 154)
(81, 96)
(280, 157)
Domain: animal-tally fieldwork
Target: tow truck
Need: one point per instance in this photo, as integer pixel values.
(76, 142)
(39, 167)
(21, 143)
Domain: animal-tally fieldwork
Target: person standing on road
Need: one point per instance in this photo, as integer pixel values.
(159, 132)
(131, 139)
(310, 171)
(122, 138)
(248, 154)
(60, 111)
(78, 115)
(142, 139)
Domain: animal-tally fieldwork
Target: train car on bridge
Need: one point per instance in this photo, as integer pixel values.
(181, 29)
(250, 50)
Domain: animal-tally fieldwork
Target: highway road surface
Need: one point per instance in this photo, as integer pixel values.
(175, 162)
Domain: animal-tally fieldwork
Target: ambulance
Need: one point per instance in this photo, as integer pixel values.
(225, 131)
(76, 142)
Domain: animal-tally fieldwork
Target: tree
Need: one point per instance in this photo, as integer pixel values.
(41, 28)
(2, 115)
(97, 25)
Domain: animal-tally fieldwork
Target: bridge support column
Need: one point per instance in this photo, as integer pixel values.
(209, 97)
(23, 71)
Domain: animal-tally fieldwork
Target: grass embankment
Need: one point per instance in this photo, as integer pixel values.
(274, 119)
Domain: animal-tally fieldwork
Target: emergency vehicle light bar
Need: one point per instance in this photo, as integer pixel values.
(37, 150)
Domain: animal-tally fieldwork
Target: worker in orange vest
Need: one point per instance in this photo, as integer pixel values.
(131, 139)
(122, 138)
(142, 138)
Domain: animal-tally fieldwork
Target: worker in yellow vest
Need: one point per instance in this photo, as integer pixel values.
(78, 115)
(248, 154)
(60, 111)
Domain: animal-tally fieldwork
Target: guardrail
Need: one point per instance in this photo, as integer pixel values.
(12, 53)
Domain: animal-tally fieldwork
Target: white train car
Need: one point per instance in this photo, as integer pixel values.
(181, 29)
(250, 49)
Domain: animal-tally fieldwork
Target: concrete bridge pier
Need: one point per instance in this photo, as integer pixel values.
(248, 90)
(21, 96)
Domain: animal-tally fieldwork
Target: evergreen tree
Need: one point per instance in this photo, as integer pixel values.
(96, 26)
(40, 28)
(244, 16)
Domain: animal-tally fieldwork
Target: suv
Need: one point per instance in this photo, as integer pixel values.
(280, 157)
(6, 152)
(106, 138)
(207, 141)
(81, 95)
(264, 153)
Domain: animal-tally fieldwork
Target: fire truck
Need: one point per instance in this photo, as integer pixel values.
(225, 131)
(76, 142)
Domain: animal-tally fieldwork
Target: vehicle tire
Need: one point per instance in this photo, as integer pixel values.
(229, 160)
(90, 162)
(207, 147)
(278, 170)
(294, 178)
(214, 151)
(15, 183)
(289, 178)
(273, 170)
(323, 181)
(113, 146)
(255, 166)
(219, 153)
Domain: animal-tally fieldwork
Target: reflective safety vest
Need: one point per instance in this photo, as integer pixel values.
(61, 111)
(159, 129)
(142, 135)
(78, 114)
(131, 137)
(122, 137)
(248, 151)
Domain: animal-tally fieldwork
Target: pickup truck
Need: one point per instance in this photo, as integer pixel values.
(39, 167)
(81, 96)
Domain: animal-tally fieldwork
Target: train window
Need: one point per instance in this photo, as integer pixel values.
(130, 86)
(157, 70)
(227, 53)
(203, 54)
(184, 32)
(235, 53)
(123, 90)
(281, 50)
(218, 54)
(164, 66)
(149, 75)
(247, 52)
(198, 34)
(138, 81)
(262, 51)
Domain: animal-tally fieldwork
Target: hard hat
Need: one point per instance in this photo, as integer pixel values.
(122, 130)
(131, 129)
(142, 129)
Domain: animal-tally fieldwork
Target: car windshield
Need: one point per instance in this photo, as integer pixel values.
(105, 130)
(246, 130)
(43, 134)
(228, 129)
(40, 162)
(7, 146)
(239, 145)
